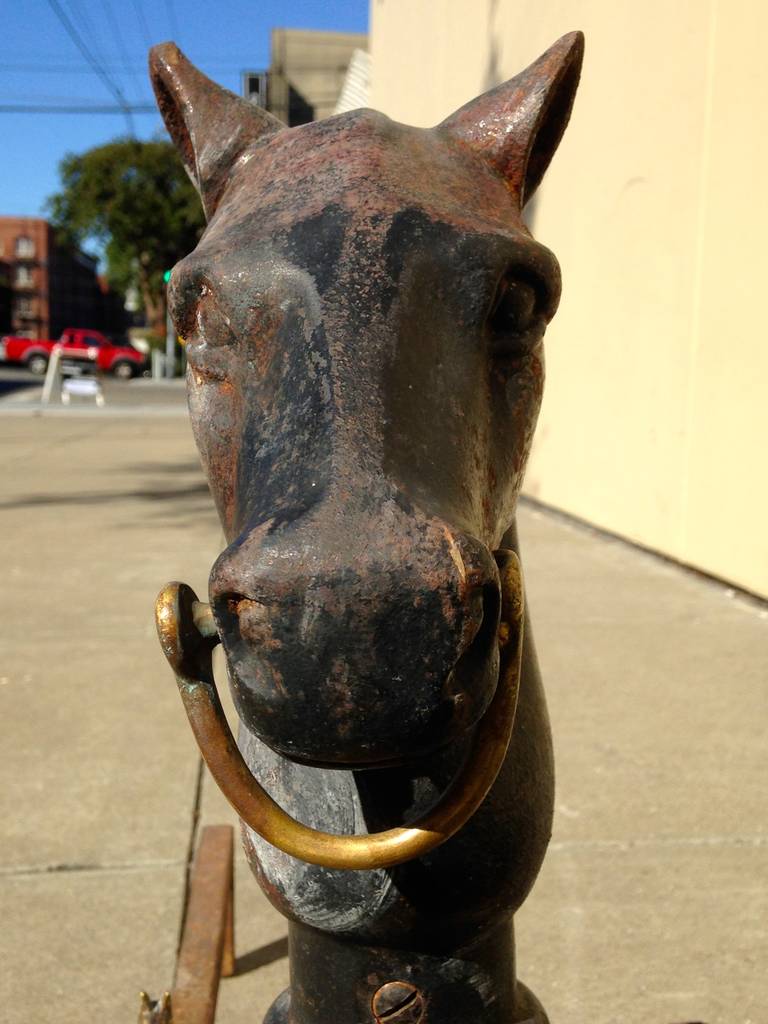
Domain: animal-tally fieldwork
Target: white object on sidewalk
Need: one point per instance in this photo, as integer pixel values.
(81, 387)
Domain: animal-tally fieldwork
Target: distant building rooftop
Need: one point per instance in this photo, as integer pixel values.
(307, 73)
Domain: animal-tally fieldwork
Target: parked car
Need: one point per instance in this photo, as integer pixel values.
(123, 361)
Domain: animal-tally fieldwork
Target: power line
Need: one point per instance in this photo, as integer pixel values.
(88, 32)
(72, 69)
(118, 35)
(85, 26)
(89, 108)
(40, 98)
(55, 60)
(234, 68)
(142, 22)
(77, 40)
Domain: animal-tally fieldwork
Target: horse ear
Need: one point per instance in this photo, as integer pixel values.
(518, 125)
(210, 126)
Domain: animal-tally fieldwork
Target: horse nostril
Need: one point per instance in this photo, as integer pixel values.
(242, 618)
(472, 680)
(492, 604)
(485, 616)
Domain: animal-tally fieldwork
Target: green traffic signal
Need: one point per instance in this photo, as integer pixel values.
(167, 276)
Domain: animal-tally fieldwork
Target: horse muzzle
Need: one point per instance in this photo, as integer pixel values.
(188, 635)
(346, 658)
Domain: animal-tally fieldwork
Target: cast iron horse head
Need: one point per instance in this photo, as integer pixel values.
(363, 319)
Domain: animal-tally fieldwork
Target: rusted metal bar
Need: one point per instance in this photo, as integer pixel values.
(228, 953)
(207, 945)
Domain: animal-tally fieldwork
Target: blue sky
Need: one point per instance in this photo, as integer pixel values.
(41, 65)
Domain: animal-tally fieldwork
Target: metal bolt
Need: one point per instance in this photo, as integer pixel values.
(397, 1002)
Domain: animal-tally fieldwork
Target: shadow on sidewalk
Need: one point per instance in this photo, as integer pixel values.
(108, 497)
(262, 956)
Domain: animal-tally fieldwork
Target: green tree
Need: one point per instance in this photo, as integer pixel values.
(136, 200)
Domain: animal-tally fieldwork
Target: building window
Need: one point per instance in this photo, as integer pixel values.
(25, 247)
(24, 277)
(24, 307)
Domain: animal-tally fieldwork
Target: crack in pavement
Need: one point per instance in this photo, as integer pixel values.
(64, 867)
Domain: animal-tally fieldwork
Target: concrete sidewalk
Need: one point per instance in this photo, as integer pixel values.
(652, 907)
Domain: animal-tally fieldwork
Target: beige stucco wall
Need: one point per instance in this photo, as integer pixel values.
(655, 419)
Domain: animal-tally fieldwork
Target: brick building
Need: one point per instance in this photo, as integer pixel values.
(6, 297)
(52, 287)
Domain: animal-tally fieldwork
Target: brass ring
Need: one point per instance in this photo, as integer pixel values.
(188, 636)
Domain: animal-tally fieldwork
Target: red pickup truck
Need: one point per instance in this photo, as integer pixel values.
(123, 361)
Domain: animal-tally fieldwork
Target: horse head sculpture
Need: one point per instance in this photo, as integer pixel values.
(363, 320)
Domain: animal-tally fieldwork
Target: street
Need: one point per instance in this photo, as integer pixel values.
(21, 390)
(15, 379)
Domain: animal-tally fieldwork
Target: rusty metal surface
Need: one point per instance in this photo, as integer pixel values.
(207, 950)
(207, 946)
(365, 374)
(397, 1002)
(364, 318)
(155, 1011)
